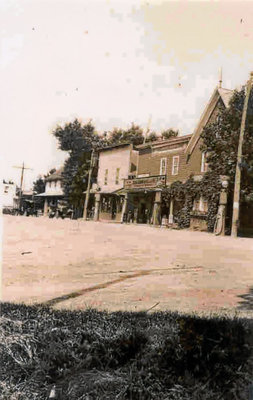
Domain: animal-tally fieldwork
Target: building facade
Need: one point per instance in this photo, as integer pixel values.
(115, 163)
(53, 191)
(9, 196)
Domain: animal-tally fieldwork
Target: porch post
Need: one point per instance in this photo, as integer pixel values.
(157, 209)
(45, 207)
(124, 208)
(97, 206)
(171, 210)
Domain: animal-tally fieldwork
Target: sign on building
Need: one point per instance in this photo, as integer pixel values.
(148, 182)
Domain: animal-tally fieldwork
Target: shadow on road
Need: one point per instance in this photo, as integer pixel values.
(247, 302)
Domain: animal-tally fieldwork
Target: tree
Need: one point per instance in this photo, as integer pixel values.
(133, 135)
(220, 142)
(152, 137)
(78, 140)
(39, 186)
(169, 133)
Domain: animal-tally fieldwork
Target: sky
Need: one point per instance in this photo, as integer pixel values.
(114, 62)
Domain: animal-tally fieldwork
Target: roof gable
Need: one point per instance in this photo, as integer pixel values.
(219, 93)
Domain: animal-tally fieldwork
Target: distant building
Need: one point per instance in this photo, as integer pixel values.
(9, 195)
(53, 190)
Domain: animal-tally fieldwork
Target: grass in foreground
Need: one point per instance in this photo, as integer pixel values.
(97, 355)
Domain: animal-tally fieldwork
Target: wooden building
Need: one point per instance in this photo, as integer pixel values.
(131, 179)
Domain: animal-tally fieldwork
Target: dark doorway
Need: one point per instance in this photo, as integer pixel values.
(114, 207)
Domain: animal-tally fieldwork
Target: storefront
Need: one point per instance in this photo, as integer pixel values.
(143, 199)
(110, 207)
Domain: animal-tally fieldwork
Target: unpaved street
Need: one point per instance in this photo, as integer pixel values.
(76, 264)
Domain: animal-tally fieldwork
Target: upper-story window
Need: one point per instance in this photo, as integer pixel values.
(106, 177)
(163, 165)
(204, 164)
(175, 165)
(117, 176)
(50, 184)
(55, 183)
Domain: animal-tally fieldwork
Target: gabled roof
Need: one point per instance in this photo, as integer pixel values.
(226, 95)
(55, 176)
(219, 93)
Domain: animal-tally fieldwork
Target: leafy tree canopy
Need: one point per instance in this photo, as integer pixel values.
(169, 133)
(39, 186)
(133, 135)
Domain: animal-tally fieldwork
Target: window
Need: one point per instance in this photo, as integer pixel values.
(55, 183)
(204, 164)
(117, 176)
(106, 177)
(163, 164)
(200, 204)
(196, 204)
(50, 184)
(175, 165)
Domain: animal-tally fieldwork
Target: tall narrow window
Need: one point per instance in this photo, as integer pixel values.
(204, 164)
(106, 177)
(117, 176)
(163, 164)
(175, 165)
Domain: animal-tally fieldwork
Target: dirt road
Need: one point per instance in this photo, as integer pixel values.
(76, 264)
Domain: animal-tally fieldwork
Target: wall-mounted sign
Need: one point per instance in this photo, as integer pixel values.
(158, 181)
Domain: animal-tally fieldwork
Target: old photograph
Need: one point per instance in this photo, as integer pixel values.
(126, 200)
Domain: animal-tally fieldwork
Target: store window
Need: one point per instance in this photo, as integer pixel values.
(200, 204)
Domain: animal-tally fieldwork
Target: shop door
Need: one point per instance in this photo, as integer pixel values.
(114, 207)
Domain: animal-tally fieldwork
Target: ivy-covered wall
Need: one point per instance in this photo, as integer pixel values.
(209, 187)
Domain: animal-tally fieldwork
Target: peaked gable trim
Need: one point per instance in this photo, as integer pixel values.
(218, 93)
(206, 114)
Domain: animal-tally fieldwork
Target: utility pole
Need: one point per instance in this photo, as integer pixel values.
(148, 129)
(21, 180)
(88, 187)
(237, 185)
